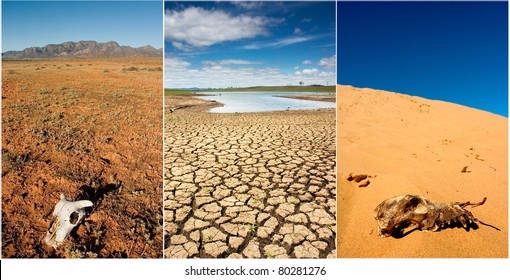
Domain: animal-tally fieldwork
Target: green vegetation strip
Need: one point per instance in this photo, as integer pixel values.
(330, 89)
(169, 91)
(282, 89)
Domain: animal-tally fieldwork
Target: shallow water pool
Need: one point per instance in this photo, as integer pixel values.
(243, 102)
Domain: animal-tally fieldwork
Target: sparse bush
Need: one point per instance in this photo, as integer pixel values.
(75, 254)
(57, 116)
(44, 91)
(12, 161)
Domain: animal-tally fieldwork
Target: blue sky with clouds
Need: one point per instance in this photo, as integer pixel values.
(224, 44)
(450, 51)
(38, 23)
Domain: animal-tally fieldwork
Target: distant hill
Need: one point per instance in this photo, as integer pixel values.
(82, 49)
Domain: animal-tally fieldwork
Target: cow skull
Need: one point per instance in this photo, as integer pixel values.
(66, 215)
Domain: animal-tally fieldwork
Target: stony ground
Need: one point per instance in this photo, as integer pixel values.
(252, 185)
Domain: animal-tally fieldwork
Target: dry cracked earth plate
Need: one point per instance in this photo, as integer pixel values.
(251, 185)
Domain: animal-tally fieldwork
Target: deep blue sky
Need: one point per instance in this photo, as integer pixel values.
(221, 44)
(451, 51)
(36, 24)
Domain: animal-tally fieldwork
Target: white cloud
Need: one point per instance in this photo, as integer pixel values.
(328, 62)
(279, 43)
(196, 27)
(298, 31)
(174, 63)
(182, 46)
(307, 72)
(310, 71)
(307, 62)
(247, 5)
(180, 74)
(230, 62)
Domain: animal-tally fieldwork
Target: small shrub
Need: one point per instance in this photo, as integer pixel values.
(44, 91)
(12, 161)
(251, 229)
(155, 69)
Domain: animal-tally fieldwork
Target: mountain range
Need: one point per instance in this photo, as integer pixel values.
(82, 49)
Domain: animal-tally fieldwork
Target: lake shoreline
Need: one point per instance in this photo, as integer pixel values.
(243, 102)
(189, 102)
(312, 97)
(195, 103)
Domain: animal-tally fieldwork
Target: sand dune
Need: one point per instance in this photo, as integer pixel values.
(411, 145)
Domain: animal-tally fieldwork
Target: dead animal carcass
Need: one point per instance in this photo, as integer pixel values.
(67, 214)
(396, 214)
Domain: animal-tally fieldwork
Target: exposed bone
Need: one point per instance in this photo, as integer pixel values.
(396, 214)
(463, 205)
(66, 215)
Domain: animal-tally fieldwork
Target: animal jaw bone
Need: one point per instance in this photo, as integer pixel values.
(66, 215)
(396, 214)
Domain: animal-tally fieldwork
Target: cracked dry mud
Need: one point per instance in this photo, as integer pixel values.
(250, 185)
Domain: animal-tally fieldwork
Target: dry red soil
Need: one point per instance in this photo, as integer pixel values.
(90, 129)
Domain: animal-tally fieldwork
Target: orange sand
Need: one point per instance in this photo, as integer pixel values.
(418, 146)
